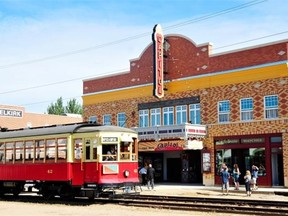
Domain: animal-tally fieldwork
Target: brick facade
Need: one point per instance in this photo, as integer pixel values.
(229, 76)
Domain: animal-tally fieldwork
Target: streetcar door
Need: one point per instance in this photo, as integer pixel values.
(90, 164)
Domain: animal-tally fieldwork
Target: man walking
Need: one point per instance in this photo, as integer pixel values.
(150, 177)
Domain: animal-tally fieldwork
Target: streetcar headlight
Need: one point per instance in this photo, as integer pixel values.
(126, 173)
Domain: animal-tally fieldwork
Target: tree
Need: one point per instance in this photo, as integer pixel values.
(58, 108)
(73, 107)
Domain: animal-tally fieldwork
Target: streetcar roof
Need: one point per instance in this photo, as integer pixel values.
(63, 129)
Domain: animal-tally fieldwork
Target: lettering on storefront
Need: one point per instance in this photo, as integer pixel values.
(169, 146)
(226, 141)
(253, 140)
(11, 113)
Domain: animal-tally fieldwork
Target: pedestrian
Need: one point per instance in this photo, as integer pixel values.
(225, 176)
(255, 170)
(143, 173)
(150, 177)
(236, 174)
(247, 179)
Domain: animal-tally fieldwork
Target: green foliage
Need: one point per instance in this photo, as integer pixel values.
(58, 108)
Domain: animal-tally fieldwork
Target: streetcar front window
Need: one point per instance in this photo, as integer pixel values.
(109, 152)
(87, 150)
(125, 150)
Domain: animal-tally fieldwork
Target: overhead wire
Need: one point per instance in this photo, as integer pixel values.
(209, 16)
(229, 10)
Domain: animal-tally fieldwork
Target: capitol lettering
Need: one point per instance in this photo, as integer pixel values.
(167, 144)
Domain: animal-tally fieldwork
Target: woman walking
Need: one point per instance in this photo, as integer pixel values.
(247, 178)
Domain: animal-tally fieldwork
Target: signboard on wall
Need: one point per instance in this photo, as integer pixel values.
(168, 145)
(158, 41)
(11, 113)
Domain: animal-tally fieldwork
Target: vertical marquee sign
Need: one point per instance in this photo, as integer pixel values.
(158, 40)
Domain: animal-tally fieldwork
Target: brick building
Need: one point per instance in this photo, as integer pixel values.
(14, 117)
(237, 101)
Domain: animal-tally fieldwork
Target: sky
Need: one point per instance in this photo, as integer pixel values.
(48, 47)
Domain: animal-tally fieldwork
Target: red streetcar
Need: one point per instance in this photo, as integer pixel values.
(68, 160)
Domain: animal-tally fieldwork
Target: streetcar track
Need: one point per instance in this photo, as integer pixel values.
(224, 205)
(254, 207)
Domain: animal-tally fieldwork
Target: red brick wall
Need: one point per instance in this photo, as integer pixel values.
(185, 59)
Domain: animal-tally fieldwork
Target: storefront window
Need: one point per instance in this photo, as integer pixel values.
(223, 156)
(276, 139)
(257, 157)
(245, 158)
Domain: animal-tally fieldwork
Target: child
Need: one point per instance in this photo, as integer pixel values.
(247, 178)
(225, 180)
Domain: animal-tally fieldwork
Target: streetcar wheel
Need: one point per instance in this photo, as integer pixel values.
(47, 195)
(16, 193)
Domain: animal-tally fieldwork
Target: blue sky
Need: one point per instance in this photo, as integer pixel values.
(47, 47)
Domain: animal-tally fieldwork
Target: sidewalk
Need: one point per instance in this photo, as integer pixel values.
(272, 193)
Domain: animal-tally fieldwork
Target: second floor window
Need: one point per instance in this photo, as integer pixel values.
(155, 117)
(223, 111)
(246, 106)
(181, 114)
(92, 119)
(121, 120)
(168, 115)
(107, 119)
(194, 114)
(143, 118)
(271, 106)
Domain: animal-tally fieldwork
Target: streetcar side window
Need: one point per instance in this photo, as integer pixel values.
(50, 149)
(9, 151)
(78, 149)
(62, 149)
(19, 150)
(40, 150)
(2, 152)
(29, 150)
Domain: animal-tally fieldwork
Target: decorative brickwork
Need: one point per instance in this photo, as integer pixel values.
(184, 61)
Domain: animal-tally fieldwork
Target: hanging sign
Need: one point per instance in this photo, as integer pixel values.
(158, 41)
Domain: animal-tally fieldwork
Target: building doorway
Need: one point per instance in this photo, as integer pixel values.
(277, 167)
(174, 169)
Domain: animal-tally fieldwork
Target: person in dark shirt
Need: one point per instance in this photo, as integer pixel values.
(150, 177)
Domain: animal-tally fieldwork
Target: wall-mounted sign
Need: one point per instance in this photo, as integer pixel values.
(253, 140)
(110, 169)
(11, 113)
(109, 139)
(206, 161)
(169, 146)
(158, 40)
